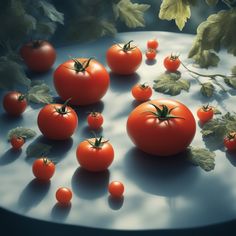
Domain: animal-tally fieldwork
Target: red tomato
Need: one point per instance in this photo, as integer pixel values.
(38, 55)
(43, 169)
(64, 195)
(17, 142)
(141, 92)
(124, 59)
(172, 63)
(14, 103)
(95, 154)
(85, 81)
(116, 189)
(161, 127)
(57, 121)
(205, 113)
(230, 141)
(152, 43)
(151, 54)
(95, 120)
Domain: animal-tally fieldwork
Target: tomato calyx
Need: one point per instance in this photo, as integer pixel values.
(81, 67)
(21, 97)
(62, 110)
(46, 161)
(144, 86)
(174, 57)
(98, 143)
(94, 113)
(231, 135)
(36, 43)
(206, 108)
(127, 47)
(163, 113)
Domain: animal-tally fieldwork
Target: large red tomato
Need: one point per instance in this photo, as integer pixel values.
(38, 55)
(57, 121)
(83, 80)
(124, 59)
(161, 127)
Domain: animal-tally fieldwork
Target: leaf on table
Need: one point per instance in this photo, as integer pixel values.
(202, 157)
(132, 14)
(216, 32)
(176, 10)
(207, 89)
(21, 132)
(171, 83)
(212, 2)
(40, 93)
(38, 150)
(230, 81)
(12, 74)
(216, 111)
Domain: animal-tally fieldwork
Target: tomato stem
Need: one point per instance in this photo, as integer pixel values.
(127, 47)
(231, 135)
(81, 67)
(21, 97)
(62, 110)
(36, 43)
(98, 143)
(144, 85)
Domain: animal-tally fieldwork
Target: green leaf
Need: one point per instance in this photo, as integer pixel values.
(207, 89)
(230, 81)
(202, 157)
(211, 2)
(38, 150)
(132, 14)
(46, 28)
(40, 94)
(12, 74)
(171, 83)
(216, 111)
(176, 10)
(22, 132)
(50, 11)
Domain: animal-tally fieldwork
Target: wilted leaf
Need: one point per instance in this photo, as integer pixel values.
(38, 150)
(132, 14)
(202, 157)
(211, 2)
(21, 132)
(171, 83)
(207, 89)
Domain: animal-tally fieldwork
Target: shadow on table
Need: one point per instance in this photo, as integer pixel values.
(89, 185)
(86, 132)
(115, 203)
(33, 194)
(150, 62)
(164, 176)
(9, 156)
(60, 212)
(231, 156)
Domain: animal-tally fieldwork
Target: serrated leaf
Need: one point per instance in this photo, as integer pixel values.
(46, 28)
(132, 14)
(211, 2)
(38, 149)
(12, 74)
(202, 157)
(21, 132)
(175, 10)
(51, 12)
(171, 83)
(230, 81)
(207, 89)
(40, 94)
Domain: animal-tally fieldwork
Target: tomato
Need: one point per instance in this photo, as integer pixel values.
(152, 43)
(161, 127)
(38, 55)
(151, 54)
(57, 121)
(95, 154)
(14, 103)
(17, 142)
(230, 141)
(83, 80)
(124, 59)
(64, 195)
(172, 63)
(43, 169)
(141, 92)
(116, 189)
(95, 120)
(205, 113)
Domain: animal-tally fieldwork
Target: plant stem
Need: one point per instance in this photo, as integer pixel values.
(227, 4)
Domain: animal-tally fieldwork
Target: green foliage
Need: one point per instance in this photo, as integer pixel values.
(21, 132)
(207, 89)
(211, 2)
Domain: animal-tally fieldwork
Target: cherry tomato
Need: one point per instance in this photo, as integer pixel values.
(124, 59)
(205, 113)
(151, 54)
(17, 142)
(152, 43)
(172, 63)
(95, 154)
(14, 103)
(141, 92)
(95, 120)
(116, 189)
(83, 80)
(161, 127)
(38, 55)
(64, 195)
(230, 141)
(43, 169)
(57, 121)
